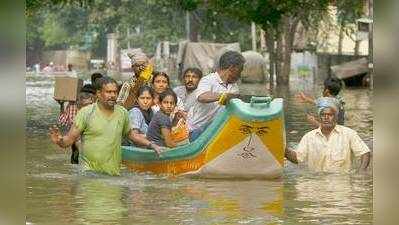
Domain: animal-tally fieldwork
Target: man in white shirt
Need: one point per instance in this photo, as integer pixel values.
(214, 91)
(191, 78)
(330, 147)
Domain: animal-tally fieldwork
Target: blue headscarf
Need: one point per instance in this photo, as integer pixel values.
(327, 102)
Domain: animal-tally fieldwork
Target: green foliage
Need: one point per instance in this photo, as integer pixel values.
(53, 33)
(348, 11)
(269, 14)
(189, 5)
(217, 27)
(65, 24)
(33, 6)
(33, 34)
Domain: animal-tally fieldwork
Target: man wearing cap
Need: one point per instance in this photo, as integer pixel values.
(139, 61)
(330, 147)
(128, 92)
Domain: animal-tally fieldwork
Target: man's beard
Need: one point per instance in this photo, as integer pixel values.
(328, 126)
(191, 88)
(109, 104)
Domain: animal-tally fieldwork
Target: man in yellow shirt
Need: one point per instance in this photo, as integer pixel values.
(330, 147)
(102, 126)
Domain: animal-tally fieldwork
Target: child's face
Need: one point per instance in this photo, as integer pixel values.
(86, 101)
(160, 84)
(145, 100)
(326, 93)
(168, 104)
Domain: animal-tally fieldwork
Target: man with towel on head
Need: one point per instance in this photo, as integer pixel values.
(330, 147)
(142, 68)
(139, 61)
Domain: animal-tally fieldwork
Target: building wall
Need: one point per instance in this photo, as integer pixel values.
(328, 37)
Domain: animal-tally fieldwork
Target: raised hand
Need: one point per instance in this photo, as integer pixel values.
(301, 97)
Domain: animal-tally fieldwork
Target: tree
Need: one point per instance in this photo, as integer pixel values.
(191, 8)
(279, 20)
(207, 24)
(347, 13)
(64, 24)
(32, 6)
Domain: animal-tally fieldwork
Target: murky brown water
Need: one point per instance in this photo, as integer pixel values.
(58, 193)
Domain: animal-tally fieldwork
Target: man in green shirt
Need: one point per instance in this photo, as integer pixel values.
(101, 127)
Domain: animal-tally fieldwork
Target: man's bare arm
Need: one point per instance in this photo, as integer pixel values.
(364, 161)
(209, 97)
(141, 139)
(64, 141)
(305, 98)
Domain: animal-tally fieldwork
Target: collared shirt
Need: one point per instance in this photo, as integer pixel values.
(188, 100)
(333, 154)
(201, 114)
(102, 137)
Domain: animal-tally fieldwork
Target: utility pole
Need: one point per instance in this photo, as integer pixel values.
(128, 38)
(371, 26)
(253, 34)
(262, 41)
(188, 25)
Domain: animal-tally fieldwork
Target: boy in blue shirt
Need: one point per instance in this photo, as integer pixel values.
(332, 87)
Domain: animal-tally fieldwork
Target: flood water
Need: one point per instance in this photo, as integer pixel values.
(58, 193)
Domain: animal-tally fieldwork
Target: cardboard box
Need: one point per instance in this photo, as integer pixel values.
(67, 88)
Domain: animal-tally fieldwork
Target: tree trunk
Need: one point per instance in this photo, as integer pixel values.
(269, 36)
(356, 49)
(194, 27)
(284, 49)
(371, 30)
(262, 40)
(286, 63)
(340, 38)
(188, 25)
(253, 36)
(279, 58)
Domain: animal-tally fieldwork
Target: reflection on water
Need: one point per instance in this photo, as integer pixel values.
(58, 193)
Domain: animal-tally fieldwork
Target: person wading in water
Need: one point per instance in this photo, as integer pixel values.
(101, 127)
